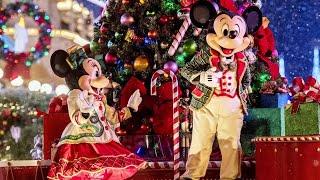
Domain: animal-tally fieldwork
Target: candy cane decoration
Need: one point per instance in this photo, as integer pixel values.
(183, 29)
(176, 122)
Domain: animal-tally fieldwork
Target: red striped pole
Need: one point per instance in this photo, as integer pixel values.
(176, 122)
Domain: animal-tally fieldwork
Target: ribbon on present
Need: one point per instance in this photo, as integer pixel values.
(304, 92)
(277, 86)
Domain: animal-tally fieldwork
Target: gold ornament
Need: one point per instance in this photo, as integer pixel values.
(141, 63)
(141, 1)
(129, 35)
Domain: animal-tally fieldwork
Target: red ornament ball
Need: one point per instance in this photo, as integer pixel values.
(126, 19)
(103, 29)
(125, 1)
(153, 34)
(164, 20)
(110, 58)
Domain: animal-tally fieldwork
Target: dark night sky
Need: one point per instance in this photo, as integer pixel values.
(296, 25)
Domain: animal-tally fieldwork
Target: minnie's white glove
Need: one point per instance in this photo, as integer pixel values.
(85, 102)
(210, 78)
(135, 100)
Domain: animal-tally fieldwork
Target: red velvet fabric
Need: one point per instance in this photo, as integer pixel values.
(53, 126)
(132, 85)
(264, 40)
(163, 114)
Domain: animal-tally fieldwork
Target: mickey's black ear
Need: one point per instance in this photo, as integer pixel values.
(201, 12)
(253, 18)
(59, 64)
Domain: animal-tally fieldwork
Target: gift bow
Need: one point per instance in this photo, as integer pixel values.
(277, 86)
(304, 91)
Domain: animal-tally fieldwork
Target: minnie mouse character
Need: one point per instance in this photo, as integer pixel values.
(88, 147)
(222, 76)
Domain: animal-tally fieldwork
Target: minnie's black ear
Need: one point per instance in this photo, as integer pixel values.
(201, 13)
(59, 64)
(253, 18)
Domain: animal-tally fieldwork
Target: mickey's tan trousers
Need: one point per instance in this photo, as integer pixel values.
(221, 117)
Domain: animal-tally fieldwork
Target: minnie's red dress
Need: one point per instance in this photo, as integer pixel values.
(89, 148)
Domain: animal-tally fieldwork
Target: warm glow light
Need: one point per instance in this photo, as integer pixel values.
(1, 73)
(46, 88)
(316, 69)
(22, 22)
(64, 5)
(62, 89)
(76, 7)
(17, 81)
(55, 33)
(85, 12)
(34, 85)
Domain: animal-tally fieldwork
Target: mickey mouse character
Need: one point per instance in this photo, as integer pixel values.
(222, 78)
(88, 147)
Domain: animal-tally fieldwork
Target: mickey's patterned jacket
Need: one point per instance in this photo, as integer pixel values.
(202, 93)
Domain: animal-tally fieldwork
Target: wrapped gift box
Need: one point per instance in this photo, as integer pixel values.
(288, 158)
(277, 100)
(261, 122)
(305, 121)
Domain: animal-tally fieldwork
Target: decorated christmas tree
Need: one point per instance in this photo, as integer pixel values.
(136, 38)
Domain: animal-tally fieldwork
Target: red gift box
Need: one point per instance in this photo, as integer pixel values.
(53, 126)
(288, 157)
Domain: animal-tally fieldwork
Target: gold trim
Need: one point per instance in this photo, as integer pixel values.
(121, 155)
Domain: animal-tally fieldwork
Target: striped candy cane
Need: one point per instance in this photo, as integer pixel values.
(183, 29)
(176, 122)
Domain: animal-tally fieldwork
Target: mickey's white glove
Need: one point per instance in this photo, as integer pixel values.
(135, 100)
(210, 78)
(85, 102)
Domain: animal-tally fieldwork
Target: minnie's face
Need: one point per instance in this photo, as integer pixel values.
(230, 35)
(94, 81)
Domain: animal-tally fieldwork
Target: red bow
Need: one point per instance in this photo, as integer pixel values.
(304, 91)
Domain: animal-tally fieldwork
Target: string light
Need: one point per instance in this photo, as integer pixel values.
(54, 33)
(64, 5)
(62, 89)
(34, 85)
(46, 88)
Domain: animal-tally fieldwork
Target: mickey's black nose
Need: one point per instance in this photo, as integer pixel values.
(233, 34)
